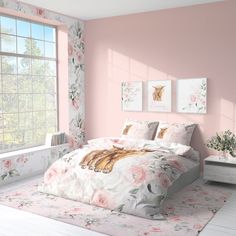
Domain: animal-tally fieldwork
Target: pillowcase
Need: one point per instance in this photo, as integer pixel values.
(175, 133)
(140, 129)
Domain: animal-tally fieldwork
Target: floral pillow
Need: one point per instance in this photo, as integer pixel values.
(140, 129)
(175, 133)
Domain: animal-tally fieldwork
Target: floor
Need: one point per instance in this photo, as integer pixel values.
(223, 224)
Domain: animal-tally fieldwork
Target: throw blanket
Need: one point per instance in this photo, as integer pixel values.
(136, 184)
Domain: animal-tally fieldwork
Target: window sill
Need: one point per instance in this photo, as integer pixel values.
(29, 150)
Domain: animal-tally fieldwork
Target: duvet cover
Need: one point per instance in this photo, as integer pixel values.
(130, 176)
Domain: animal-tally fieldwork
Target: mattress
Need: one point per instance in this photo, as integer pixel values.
(185, 179)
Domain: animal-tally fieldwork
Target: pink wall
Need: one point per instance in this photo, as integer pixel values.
(198, 41)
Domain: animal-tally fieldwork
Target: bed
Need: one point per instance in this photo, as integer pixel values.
(132, 176)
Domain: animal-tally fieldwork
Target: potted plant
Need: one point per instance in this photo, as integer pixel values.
(224, 142)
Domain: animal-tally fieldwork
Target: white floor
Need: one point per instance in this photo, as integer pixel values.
(14, 222)
(224, 222)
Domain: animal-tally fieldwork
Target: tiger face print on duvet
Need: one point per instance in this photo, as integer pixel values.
(104, 160)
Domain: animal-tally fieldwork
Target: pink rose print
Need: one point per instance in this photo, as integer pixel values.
(7, 164)
(156, 229)
(78, 57)
(197, 226)
(138, 175)
(51, 175)
(164, 180)
(176, 164)
(193, 98)
(70, 49)
(101, 199)
(22, 159)
(75, 103)
(39, 12)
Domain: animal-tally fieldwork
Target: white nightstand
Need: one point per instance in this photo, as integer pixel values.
(221, 170)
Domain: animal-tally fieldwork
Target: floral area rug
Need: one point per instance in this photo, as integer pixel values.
(186, 212)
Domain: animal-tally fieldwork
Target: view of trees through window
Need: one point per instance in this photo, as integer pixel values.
(28, 79)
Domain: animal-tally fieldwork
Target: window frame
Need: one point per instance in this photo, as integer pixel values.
(41, 21)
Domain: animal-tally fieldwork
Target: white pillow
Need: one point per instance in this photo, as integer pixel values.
(140, 129)
(175, 133)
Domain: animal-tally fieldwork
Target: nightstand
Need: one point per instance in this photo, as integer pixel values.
(220, 170)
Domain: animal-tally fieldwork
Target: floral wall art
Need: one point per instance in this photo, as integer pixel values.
(132, 95)
(192, 95)
(159, 95)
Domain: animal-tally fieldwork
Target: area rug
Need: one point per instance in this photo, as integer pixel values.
(186, 212)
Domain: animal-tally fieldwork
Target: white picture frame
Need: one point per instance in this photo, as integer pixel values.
(132, 95)
(191, 95)
(159, 95)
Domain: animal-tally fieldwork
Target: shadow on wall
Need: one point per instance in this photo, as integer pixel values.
(123, 68)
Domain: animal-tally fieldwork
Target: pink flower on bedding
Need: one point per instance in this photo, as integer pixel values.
(197, 226)
(7, 164)
(164, 180)
(176, 164)
(137, 175)
(101, 199)
(156, 229)
(51, 175)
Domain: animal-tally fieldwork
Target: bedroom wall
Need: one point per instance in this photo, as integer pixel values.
(188, 42)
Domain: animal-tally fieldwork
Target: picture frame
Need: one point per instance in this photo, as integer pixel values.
(132, 95)
(159, 95)
(191, 95)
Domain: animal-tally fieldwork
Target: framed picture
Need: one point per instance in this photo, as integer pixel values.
(192, 95)
(159, 95)
(132, 96)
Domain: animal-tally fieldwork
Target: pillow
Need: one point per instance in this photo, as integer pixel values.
(176, 133)
(140, 129)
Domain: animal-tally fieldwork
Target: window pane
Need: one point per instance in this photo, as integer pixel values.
(50, 34)
(37, 31)
(8, 43)
(1, 142)
(28, 90)
(9, 83)
(38, 84)
(50, 68)
(50, 84)
(50, 50)
(25, 120)
(10, 122)
(12, 140)
(23, 45)
(39, 136)
(51, 118)
(37, 48)
(50, 102)
(39, 102)
(51, 129)
(8, 25)
(39, 119)
(23, 28)
(10, 103)
(25, 102)
(9, 65)
(37, 67)
(24, 84)
(24, 66)
(0, 89)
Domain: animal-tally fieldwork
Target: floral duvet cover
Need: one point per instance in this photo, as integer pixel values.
(136, 183)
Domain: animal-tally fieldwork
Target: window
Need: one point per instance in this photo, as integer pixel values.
(28, 83)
